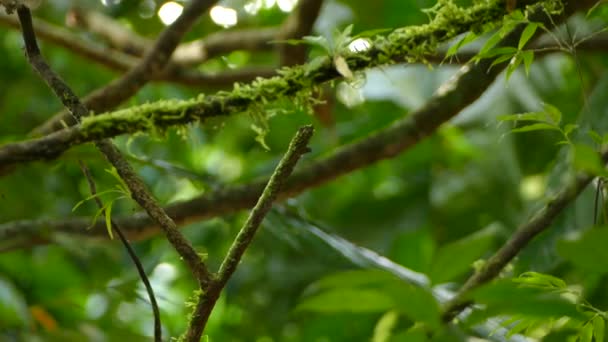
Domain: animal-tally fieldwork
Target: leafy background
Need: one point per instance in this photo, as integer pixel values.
(436, 209)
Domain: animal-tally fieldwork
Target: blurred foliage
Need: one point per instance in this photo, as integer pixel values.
(437, 209)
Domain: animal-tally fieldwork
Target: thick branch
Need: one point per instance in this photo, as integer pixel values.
(454, 95)
(397, 45)
(137, 189)
(153, 63)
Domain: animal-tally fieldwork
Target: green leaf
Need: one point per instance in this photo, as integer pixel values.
(553, 113)
(599, 327)
(319, 41)
(489, 44)
(529, 116)
(77, 205)
(540, 280)
(456, 258)
(355, 278)
(526, 35)
(586, 333)
(569, 128)
(536, 127)
(596, 137)
(513, 65)
(505, 297)
(587, 159)
(347, 300)
(384, 328)
(588, 252)
(528, 58)
(108, 212)
(469, 37)
(416, 303)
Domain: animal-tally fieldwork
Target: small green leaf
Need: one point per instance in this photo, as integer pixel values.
(528, 57)
(513, 65)
(553, 113)
(599, 327)
(469, 37)
(319, 41)
(569, 128)
(535, 127)
(540, 280)
(108, 212)
(526, 35)
(489, 44)
(529, 116)
(596, 137)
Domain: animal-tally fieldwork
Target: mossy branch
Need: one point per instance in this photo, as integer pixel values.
(408, 43)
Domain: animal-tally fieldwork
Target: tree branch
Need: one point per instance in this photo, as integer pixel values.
(208, 298)
(456, 94)
(138, 265)
(152, 63)
(137, 189)
(291, 81)
(539, 222)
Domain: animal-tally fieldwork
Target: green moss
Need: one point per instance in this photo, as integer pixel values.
(297, 83)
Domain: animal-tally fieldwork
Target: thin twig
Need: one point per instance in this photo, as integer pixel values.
(130, 251)
(208, 298)
(138, 190)
(539, 222)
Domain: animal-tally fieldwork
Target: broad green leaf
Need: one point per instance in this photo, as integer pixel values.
(416, 303)
(356, 278)
(507, 297)
(526, 35)
(586, 333)
(588, 252)
(599, 327)
(456, 258)
(414, 250)
(535, 127)
(587, 159)
(347, 300)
